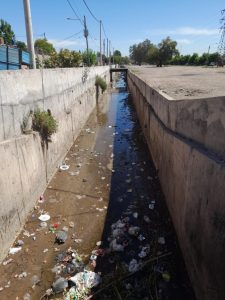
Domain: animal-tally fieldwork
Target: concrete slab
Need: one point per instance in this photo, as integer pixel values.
(184, 82)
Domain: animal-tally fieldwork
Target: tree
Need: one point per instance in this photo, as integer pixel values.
(125, 60)
(166, 51)
(89, 58)
(194, 59)
(180, 59)
(6, 32)
(117, 53)
(21, 45)
(153, 55)
(214, 57)
(139, 52)
(42, 46)
(64, 59)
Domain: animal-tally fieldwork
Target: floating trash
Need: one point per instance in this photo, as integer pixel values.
(161, 240)
(85, 280)
(61, 237)
(134, 266)
(14, 250)
(44, 217)
(64, 167)
(59, 285)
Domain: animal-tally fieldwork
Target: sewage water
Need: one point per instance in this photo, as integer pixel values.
(110, 194)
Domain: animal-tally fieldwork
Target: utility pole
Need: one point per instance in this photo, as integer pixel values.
(101, 42)
(104, 46)
(109, 53)
(107, 48)
(113, 55)
(86, 37)
(103, 62)
(28, 23)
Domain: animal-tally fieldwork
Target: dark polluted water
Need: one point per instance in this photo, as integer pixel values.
(142, 258)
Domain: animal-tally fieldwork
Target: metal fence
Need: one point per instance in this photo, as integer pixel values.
(12, 58)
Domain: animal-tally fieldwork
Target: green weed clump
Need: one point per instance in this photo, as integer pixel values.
(99, 81)
(44, 123)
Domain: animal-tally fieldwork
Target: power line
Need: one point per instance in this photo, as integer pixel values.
(69, 37)
(68, 1)
(104, 30)
(96, 19)
(91, 12)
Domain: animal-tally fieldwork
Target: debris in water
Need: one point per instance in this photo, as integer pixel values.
(14, 250)
(19, 243)
(41, 199)
(161, 240)
(7, 262)
(85, 280)
(134, 266)
(61, 237)
(135, 215)
(64, 167)
(44, 217)
(59, 285)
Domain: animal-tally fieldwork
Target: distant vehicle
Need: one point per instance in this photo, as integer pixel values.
(212, 64)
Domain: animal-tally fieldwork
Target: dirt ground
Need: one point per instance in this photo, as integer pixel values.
(184, 82)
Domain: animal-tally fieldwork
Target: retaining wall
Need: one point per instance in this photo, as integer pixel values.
(186, 139)
(27, 164)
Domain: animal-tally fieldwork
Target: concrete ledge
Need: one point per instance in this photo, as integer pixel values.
(191, 178)
(200, 120)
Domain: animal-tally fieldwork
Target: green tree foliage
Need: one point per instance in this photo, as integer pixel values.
(117, 53)
(42, 46)
(125, 60)
(89, 58)
(68, 59)
(21, 45)
(6, 32)
(117, 57)
(166, 51)
(139, 52)
(150, 53)
(195, 59)
(64, 59)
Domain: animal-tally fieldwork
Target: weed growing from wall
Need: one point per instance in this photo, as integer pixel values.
(100, 82)
(45, 124)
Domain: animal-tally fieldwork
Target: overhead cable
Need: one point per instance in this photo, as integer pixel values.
(91, 12)
(68, 1)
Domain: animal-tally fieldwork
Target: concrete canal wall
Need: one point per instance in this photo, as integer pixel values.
(27, 165)
(186, 139)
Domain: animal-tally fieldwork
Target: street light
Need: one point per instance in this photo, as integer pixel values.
(73, 19)
(85, 31)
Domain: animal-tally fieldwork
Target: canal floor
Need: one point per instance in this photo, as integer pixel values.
(110, 205)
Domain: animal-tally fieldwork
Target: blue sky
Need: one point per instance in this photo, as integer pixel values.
(193, 23)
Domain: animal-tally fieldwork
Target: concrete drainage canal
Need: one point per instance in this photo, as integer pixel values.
(102, 229)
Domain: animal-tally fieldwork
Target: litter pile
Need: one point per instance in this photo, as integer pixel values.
(73, 278)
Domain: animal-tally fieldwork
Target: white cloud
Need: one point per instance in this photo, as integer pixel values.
(187, 31)
(184, 41)
(57, 43)
(196, 31)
